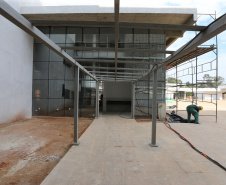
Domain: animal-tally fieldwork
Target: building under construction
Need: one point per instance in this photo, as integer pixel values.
(78, 61)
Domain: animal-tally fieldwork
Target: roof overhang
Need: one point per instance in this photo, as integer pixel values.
(89, 16)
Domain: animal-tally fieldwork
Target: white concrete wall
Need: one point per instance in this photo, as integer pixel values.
(118, 91)
(208, 96)
(16, 64)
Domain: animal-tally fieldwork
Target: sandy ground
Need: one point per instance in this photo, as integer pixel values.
(207, 114)
(30, 149)
(207, 105)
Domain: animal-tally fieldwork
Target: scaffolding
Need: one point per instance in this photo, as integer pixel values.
(193, 65)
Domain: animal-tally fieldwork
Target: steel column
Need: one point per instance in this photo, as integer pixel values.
(154, 110)
(133, 100)
(97, 99)
(76, 103)
(117, 2)
(104, 100)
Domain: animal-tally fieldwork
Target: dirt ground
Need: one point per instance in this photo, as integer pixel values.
(30, 149)
(207, 105)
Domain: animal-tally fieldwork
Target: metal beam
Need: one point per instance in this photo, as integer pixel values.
(126, 58)
(105, 72)
(111, 68)
(215, 28)
(76, 103)
(141, 61)
(118, 79)
(113, 49)
(155, 26)
(122, 78)
(119, 76)
(116, 34)
(12, 15)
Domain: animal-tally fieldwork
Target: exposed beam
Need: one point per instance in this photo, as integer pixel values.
(118, 80)
(111, 60)
(113, 49)
(155, 26)
(12, 15)
(111, 68)
(215, 28)
(119, 76)
(105, 72)
(124, 58)
(116, 34)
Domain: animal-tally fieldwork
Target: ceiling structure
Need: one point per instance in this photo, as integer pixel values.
(173, 21)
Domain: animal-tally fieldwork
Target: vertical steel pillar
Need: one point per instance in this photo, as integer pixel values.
(97, 99)
(104, 99)
(133, 100)
(192, 68)
(76, 103)
(154, 110)
(196, 77)
(216, 69)
(176, 90)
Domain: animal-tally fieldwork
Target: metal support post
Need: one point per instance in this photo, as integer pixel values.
(76, 103)
(97, 99)
(192, 96)
(196, 77)
(154, 110)
(176, 90)
(133, 100)
(104, 99)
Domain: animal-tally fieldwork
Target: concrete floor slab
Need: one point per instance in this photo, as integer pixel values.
(116, 151)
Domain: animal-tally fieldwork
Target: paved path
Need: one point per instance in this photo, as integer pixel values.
(116, 151)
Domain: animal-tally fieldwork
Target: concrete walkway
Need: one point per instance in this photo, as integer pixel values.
(116, 151)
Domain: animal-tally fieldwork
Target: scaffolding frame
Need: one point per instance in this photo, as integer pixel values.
(192, 58)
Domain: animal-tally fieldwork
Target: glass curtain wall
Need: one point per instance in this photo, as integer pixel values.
(144, 88)
(53, 81)
(94, 48)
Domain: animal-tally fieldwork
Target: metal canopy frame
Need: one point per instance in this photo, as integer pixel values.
(12, 15)
(193, 54)
(190, 66)
(205, 34)
(215, 28)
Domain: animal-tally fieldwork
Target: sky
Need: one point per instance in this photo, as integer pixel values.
(203, 7)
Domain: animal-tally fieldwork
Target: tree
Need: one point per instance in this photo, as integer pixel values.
(173, 80)
(188, 84)
(209, 81)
